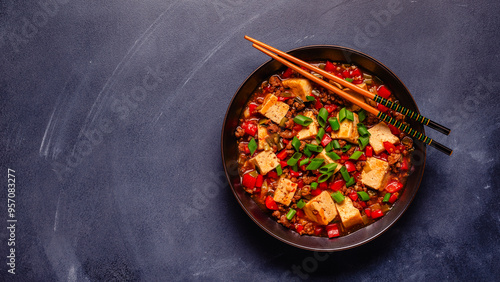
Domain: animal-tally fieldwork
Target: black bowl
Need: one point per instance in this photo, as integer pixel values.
(263, 218)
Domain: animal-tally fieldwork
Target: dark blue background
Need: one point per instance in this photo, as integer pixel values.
(111, 113)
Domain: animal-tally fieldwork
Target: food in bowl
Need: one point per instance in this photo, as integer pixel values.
(319, 164)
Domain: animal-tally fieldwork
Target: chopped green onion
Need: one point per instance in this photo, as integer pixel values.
(332, 155)
(307, 152)
(364, 196)
(311, 98)
(283, 121)
(263, 121)
(324, 177)
(314, 185)
(346, 148)
(329, 147)
(321, 133)
(342, 114)
(304, 162)
(336, 144)
(314, 148)
(252, 146)
(387, 196)
(349, 115)
(350, 182)
(338, 197)
(253, 173)
(329, 168)
(301, 204)
(356, 155)
(344, 173)
(296, 143)
(322, 117)
(294, 159)
(302, 120)
(361, 115)
(348, 79)
(334, 123)
(279, 170)
(363, 131)
(315, 164)
(363, 141)
(295, 167)
(290, 214)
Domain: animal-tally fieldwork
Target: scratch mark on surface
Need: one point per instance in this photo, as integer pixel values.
(56, 217)
(99, 102)
(44, 147)
(158, 117)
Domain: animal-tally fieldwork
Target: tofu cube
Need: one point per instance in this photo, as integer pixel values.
(321, 209)
(300, 87)
(374, 173)
(265, 161)
(273, 109)
(262, 134)
(311, 131)
(348, 130)
(349, 215)
(285, 191)
(381, 133)
(328, 160)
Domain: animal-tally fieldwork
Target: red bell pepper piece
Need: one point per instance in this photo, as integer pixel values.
(382, 156)
(298, 227)
(332, 230)
(346, 74)
(248, 181)
(337, 185)
(283, 164)
(389, 147)
(250, 128)
(287, 73)
(259, 181)
(282, 99)
(393, 197)
(344, 157)
(330, 67)
(330, 108)
(318, 105)
(382, 108)
(300, 184)
(252, 107)
(286, 141)
(272, 174)
(326, 139)
(316, 192)
(329, 129)
(377, 213)
(394, 186)
(357, 81)
(394, 130)
(350, 166)
(356, 72)
(271, 204)
(282, 155)
(382, 91)
(300, 213)
(247, 150)
(318, 230)
(404, 164)
(323, 186)
(368, 212)
(369, 151)
(362, 204)
(297, 127)
(294, 173)
(353, 196)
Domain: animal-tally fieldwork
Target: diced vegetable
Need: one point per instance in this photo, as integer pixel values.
(350, 166)
(350, 182)
(337, 185)
(296, 143)
(325, 140)
(376, 214)
(329, 168)
(249, 181)
(301, 204)
(321, 133)
(344, 173)
(389, 147)
(259, 181)
(342, 114)
(393, 198)
(315, 164)
(369, 151)
(324, 177)
(334, 123)
(362, 115)
(383, 92)
(394, 186)
(322, 117)
(363, 141)
(302, 120)
(356, 155)
(304, 162)
(314, 148)
(332, 230)
(332, 155)
(282, 155)
(279, 170)
(290, 214)
(330, 67)
(336, 144)
(363, 196)
(252, 146)
(271, 204)
(250, 128)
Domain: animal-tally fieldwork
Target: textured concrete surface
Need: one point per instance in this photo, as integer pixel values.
(111, 114)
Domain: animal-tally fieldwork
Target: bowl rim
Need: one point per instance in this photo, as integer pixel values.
(261, 225)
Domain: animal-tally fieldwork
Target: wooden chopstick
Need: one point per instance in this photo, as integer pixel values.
(404, 127)
(396, 107)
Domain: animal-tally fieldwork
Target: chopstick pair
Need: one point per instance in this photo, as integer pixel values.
(396, 107)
